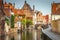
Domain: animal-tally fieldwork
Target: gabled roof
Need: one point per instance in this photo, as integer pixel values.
(8, 5)
(18, 12)
(38, 13)
(26, 6)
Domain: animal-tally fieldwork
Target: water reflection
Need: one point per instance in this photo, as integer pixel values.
(2, 37)
(25, 35)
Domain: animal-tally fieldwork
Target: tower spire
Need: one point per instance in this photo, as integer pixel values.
(25, 1)
(14, 4)
(33, 7)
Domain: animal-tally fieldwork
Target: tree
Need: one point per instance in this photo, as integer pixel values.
(12, 21)
(26, 22)
(7, 20)
(23, 22)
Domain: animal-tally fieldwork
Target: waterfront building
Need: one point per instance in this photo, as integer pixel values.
(2, 17)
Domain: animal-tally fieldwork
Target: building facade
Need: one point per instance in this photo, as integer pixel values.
(2, 18)
(25, 12)
(55, 11)
(26, 9)
(40, 19)
(55, 16)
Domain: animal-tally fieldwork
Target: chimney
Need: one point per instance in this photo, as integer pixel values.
(33, 7)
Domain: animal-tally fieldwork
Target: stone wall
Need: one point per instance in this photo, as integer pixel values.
(55, 24)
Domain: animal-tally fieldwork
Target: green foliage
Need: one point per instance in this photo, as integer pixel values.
(12, 21)
(29, 22)
(26, 21)
(23, 22)
(7, 21)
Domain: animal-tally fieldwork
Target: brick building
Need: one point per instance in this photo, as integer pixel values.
(26, 9)
(55, 16)
(55, 11)
(2, 18)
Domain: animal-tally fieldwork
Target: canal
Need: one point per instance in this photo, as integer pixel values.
(24, 35)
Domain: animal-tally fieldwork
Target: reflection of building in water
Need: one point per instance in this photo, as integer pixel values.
(2, 37)
(36, 34)
(14, 36)
(25, 35)
(19, 37)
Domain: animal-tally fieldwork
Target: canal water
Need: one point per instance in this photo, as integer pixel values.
(23, 35)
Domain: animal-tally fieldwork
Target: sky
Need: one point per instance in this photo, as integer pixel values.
(44, 6)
